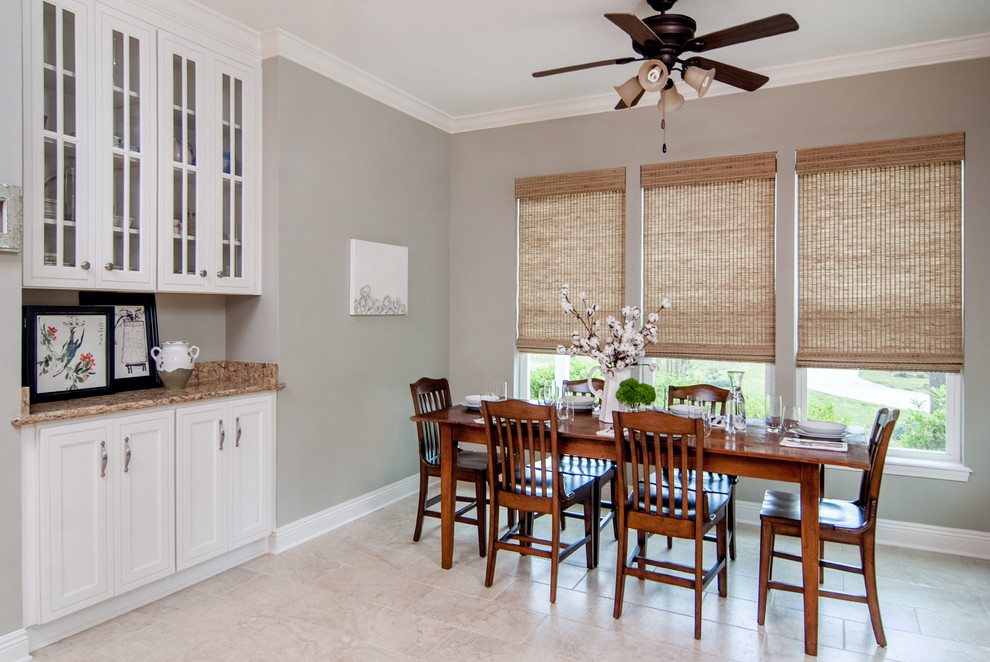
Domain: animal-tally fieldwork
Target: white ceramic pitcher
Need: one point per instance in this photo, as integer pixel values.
(607, 395)
(174, 355)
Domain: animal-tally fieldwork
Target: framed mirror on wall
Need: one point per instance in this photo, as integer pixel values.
(11, 219)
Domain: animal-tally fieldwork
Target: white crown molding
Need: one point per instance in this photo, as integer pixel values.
(278, 42)
(901, 57)
(183, 16)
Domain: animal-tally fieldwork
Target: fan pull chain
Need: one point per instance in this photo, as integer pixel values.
(663, 120)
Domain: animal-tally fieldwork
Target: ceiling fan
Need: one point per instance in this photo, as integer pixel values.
(661, 42)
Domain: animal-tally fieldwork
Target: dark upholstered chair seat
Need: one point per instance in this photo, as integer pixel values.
(831, 512)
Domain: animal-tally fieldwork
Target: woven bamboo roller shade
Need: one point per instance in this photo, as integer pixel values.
(942, 148)
(880, 262)
(709, 246)
(571, 230)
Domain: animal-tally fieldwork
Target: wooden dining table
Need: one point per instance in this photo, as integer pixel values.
(755, 454)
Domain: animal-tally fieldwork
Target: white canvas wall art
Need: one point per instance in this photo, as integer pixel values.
(379, 278)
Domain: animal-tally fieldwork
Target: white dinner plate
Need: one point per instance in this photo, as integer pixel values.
(821, 429)
(685, 410)
(474, 401)
(580, 401)
(818, 435)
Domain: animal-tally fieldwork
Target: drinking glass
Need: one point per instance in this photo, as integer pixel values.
(775, 413)
(792, 417)
(565, 410)
(706, 416)
(499, 388)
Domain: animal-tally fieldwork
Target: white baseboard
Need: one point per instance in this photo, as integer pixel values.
(307, 528)
(942, 539)
(14, 647)
(49, 633)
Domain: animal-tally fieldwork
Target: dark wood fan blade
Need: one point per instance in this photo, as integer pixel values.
(726, 73)
(633, 26)
(622, 104)
(765, 27)
(587, 65)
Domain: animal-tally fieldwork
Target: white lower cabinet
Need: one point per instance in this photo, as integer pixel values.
(107, 514)
(115, 502)
(223, 464)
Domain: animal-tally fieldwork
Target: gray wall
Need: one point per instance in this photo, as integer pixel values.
(10, 329)
(911, 102)
(350, 168)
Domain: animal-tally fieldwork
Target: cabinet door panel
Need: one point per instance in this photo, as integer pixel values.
(183, 113)
(126, 153)
(145, 517)
(57, 208)
(201, 496)
(250, 471)
(76, 486)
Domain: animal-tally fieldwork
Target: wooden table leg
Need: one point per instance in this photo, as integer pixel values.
(810, 493)
(448, 497)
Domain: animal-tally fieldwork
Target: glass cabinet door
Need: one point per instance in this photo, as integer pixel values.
(232, 178)
(62, 237)
(127, 152)
(181, 192)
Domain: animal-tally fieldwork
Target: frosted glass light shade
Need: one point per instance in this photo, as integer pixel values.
(630, 91)
(653, 75)
(670, 100)
(700, 79)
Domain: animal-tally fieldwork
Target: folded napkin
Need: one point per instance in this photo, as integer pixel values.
(480, 421)
(607, 432)
(816, 444)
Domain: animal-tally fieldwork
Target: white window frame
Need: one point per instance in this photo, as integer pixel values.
(944, 465)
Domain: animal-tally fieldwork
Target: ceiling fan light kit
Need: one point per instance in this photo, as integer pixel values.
(660, 41)
(698, 78)
(653, 75)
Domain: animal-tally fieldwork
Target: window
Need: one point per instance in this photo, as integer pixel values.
(708, 245)
(685, 372)
(556, 216)
(880, 287)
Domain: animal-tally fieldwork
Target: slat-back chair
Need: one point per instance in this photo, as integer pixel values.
(603, 471)
(844, 522)
(714, 398)
(524, 473)
(472, 466)
(650, 444)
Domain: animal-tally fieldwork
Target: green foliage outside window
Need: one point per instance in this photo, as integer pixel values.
(921, 429)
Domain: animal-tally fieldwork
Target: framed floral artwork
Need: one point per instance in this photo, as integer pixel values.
(135, 332)
(68, 351)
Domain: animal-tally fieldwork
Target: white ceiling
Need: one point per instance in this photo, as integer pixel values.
(466, 58)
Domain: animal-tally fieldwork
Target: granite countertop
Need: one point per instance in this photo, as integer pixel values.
(210, 380)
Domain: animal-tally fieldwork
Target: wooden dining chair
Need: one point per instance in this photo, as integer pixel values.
(714, 398)
(472, 466)
(603, 471)
(525, 476)
(651, 444)
(844, 522)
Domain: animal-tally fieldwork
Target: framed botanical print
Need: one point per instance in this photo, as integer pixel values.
(67, 351)
(135, 332)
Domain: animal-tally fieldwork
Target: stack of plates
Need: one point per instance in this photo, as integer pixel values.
(821, 430)
(581, 402)
(474, 401)
(687, 411)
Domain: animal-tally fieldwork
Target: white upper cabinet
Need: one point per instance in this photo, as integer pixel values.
(57, 158)
(210, 174)
(142, 153)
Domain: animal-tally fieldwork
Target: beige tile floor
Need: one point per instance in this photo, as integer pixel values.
(366, 592)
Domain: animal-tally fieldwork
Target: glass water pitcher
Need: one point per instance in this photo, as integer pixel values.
(736, 409)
